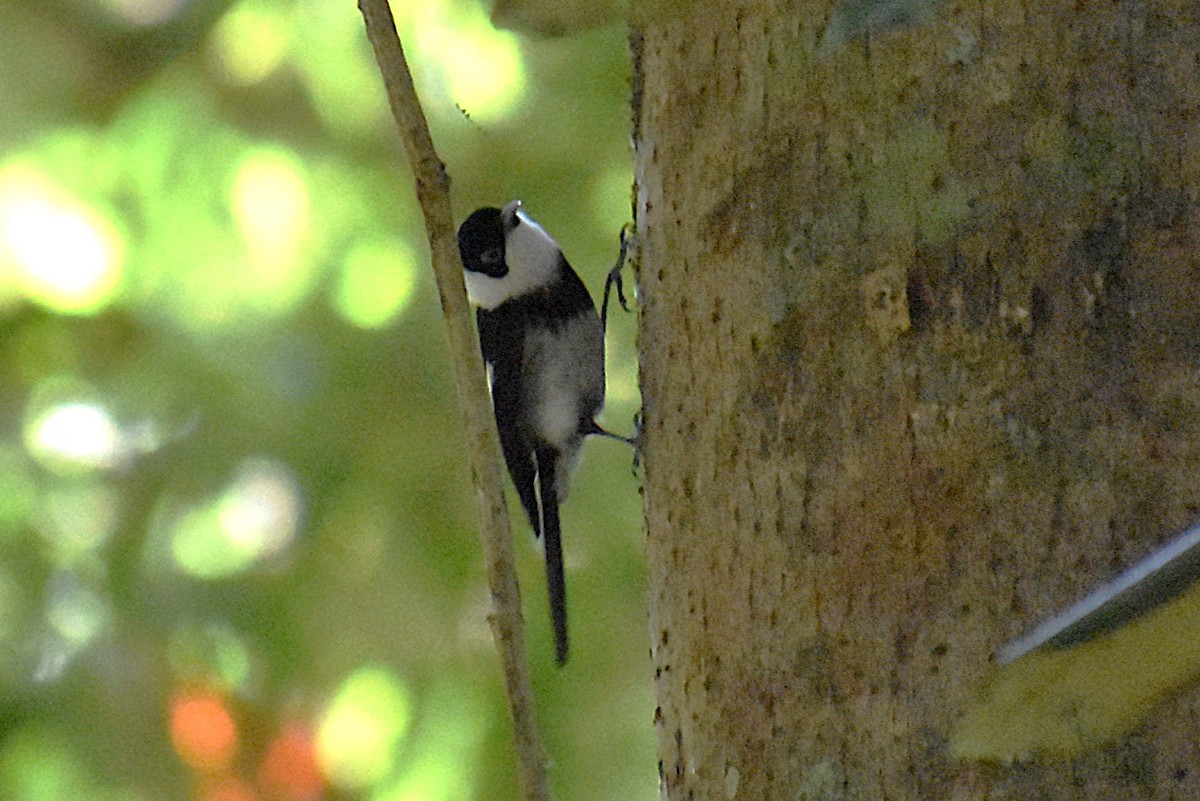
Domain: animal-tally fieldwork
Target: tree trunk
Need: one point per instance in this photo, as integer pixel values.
(920, 356)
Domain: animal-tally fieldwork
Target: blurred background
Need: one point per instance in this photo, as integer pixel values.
(237, 553)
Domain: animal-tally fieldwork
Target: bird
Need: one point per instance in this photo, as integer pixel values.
(543, 348)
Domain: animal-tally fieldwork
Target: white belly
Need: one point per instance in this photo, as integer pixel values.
(566, 375)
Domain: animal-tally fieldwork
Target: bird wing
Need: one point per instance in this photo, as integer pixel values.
(503, 350)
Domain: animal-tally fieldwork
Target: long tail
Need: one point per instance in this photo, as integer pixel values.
(556, 582)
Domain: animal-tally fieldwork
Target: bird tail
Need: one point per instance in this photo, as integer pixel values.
(552, 541)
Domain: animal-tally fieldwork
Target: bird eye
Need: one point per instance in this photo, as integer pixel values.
(491, 256)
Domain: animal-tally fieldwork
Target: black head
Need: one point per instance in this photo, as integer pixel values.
(481, 243)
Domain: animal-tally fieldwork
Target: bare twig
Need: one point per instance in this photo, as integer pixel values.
(433, 193)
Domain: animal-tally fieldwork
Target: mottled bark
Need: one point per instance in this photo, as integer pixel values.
(921, 361)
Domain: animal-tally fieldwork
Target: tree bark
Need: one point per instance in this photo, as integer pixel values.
(920, 347)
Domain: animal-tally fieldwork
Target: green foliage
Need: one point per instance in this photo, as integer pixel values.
(237, 558)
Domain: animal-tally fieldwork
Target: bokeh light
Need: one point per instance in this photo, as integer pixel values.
(335, 62)
(74, 610)
(78, 519)
(289, 769)
(212, 653)
(144, 12)
(479, 68)
(57, 250)
(36, 764)
(75, 434)
(377, 281)
(203, 730)
(76, 614)
(254, 519)
(250, 41)
(446, 744)
(270, 204)
(361, 730)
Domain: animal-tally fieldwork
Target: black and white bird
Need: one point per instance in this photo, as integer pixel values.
(543, 344)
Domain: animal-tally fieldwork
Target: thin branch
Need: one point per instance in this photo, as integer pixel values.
(483, 448)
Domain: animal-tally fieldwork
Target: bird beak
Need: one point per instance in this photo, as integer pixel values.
(508, 216)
